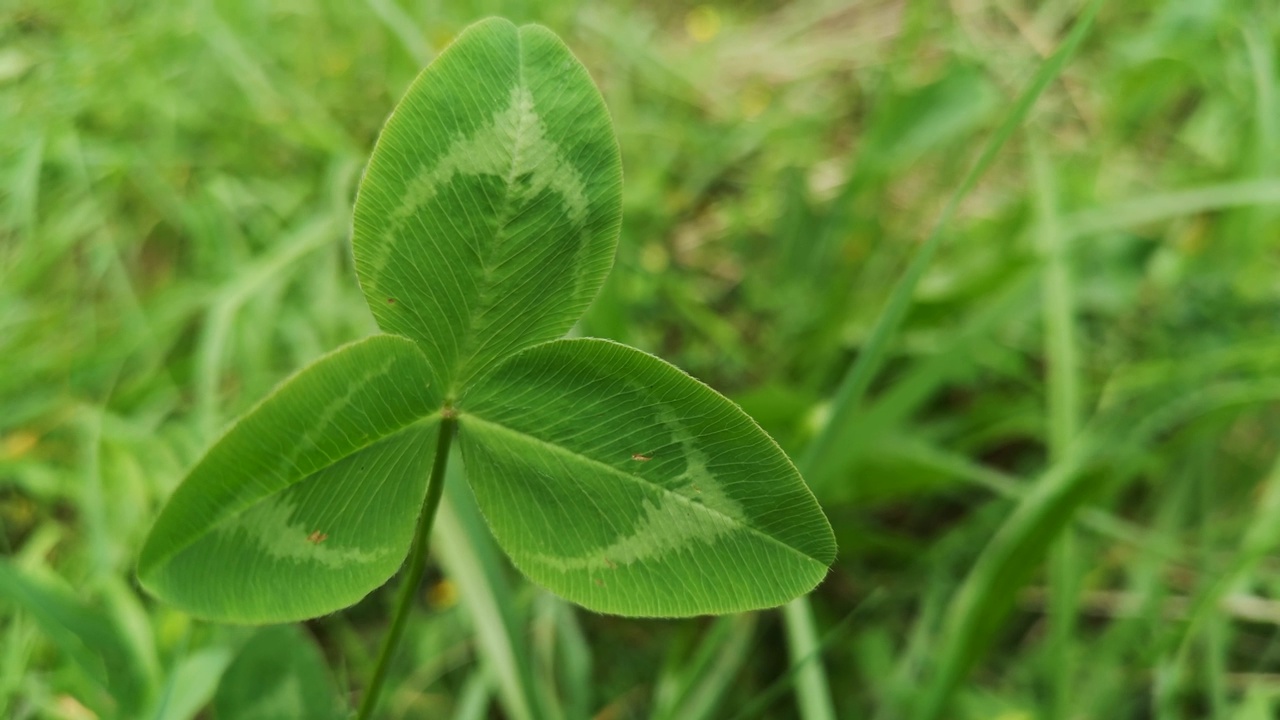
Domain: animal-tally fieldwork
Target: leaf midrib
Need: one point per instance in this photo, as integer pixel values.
(465, 416)
(466, 349)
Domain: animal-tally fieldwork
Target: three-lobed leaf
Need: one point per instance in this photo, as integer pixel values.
(484, 225)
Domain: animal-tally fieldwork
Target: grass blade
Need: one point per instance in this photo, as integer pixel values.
(696, 689)
(853, 387)
(565, 659)
(987, 594)
(473, 699)
(1063, 410)
(192, 683)
(872, 357)
(1260, 539)
(90, 640)
(1167, 206)
(757, 705)
(471, 559)
(813, 693)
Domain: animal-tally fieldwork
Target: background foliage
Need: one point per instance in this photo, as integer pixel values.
(175, 203)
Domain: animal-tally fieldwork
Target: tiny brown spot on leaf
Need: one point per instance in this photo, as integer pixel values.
(641, 457)
(612, 565)
(317, 537)
(598, 581)
(391, 301)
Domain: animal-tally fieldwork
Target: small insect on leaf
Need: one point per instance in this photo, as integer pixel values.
(641, 457)
(317, 537)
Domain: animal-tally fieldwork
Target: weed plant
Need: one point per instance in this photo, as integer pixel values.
(1045, 426)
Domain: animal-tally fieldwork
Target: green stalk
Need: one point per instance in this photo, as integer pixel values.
(416, 566)
(1063, 420)
(812, 688)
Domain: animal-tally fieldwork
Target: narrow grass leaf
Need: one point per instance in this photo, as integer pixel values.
(977, 611)
(474, 697)
(853, 387)
(564, 657)
(1062, 415)
(698, 689)
(489, 213)
(813, 691)
(309, 501)
(84, 636)
(626, 486)
(1260, 538)
(765, 698)
(192, 684)
(467, 551)
(858, 379)
(889, 411)
(1167, 206)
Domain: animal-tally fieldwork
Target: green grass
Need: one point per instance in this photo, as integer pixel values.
(1098, 326)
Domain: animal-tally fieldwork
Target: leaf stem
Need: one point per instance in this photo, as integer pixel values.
(415, 566)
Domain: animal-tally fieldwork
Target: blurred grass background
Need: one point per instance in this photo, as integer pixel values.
(1060, 498)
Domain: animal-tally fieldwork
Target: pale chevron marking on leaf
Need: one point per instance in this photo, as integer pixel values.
(698, 483)
(231, 542)
(280, 458)
(289, 461)
(490, 208)
(666, 526)
(513, 146)
(270, 526)
(682, 498)
(554, 460)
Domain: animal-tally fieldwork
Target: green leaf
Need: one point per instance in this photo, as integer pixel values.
(278, 675)
(309, 501)
(192, 683)
(986, 597)
(623, 484)
(489, 213)
(472, 560)
(83, 635)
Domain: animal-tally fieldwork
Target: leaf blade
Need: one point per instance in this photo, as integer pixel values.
(280, 672)
(271, 524)
(690, 508)
(85, 636)
(489, 213)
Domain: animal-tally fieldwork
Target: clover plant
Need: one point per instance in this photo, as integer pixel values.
(485, 223)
